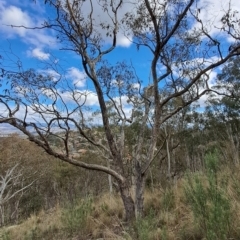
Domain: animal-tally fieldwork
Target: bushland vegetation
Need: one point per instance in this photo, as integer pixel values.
(152, 141)
(199, 199)
(185, 49)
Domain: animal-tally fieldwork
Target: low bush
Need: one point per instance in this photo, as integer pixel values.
(208, 199)
(75, 217)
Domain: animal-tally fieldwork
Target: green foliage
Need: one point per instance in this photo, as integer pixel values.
(34, 233)
(208, 201)
(168, 200)
(145, 226)
(31, 202)
(74, 217)
(5, 235)
(164, 234)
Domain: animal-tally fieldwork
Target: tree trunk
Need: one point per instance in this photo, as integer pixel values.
(2, 215)
(234, 145)
(133, 205)
(110, 179)
(127, 202)
(139, 195)
(168, 155)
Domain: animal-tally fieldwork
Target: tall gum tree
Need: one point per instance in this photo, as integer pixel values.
(184, 46)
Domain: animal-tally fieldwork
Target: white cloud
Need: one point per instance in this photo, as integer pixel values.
(20, 113)
(136, 86)
(12, 15)
(211, 13)
(123, 41)
(55, 76)
(125, 107)
(78, 77)
(117, 83)
(85, 97)
(101, 16)
(211, 83)
(39, 54)
(6, 129)
(41, 39)
(92, 99)
(122, 101)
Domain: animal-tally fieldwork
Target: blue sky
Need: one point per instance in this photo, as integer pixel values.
(37, 47)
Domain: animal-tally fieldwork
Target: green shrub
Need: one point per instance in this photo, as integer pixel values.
(168, 200)
(74, 217)
(5, 235)
(33, 233)
(208, 200)
(145, 226)
(31, 203)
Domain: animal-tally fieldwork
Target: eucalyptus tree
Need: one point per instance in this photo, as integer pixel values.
(222, 113)
(11, 184)
(183, 48)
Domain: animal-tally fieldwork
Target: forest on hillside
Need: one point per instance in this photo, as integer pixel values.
(128, 119)
(196, 141)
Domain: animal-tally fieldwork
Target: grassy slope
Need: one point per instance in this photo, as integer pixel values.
(168, 215)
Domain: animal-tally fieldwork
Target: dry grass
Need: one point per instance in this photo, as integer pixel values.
(172, 217)
(107, 216)
(43, 223)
